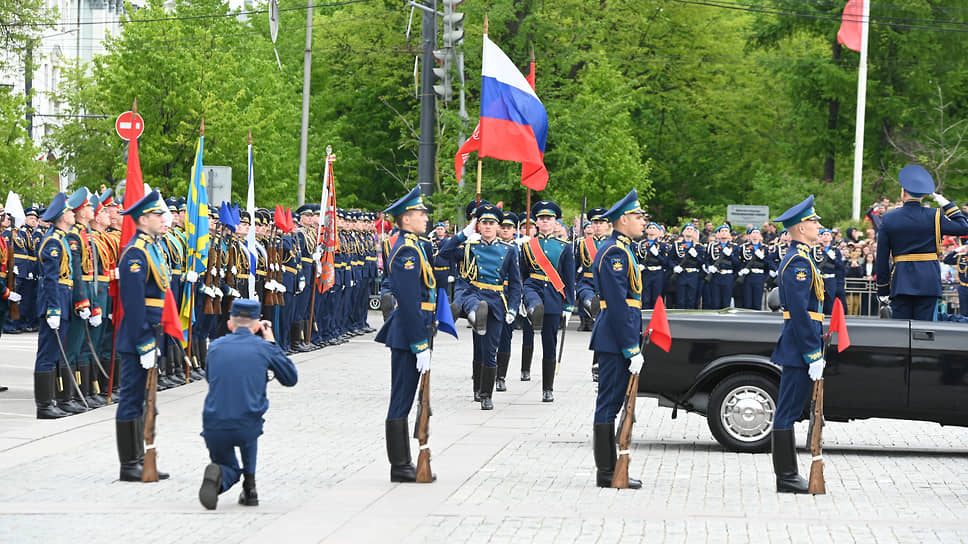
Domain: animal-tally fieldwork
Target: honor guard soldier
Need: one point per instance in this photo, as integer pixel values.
(548, 273)
(407, 330)
(24, 249)
(776, 254)
(799, 350)
(83, 258)
(527, 230)
(493, 293)
(54, 300)
(617, 333)
(753, 256)
(959, 260)
(911, 237)
(722, 261)
(653, 254)
(143, 280)
(830, 262)
(238, 370)
(687, 259)
(6, 295)
(106, 244)
(507, 232)
(588, 246)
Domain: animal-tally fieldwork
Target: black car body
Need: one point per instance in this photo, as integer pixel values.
(719, 366)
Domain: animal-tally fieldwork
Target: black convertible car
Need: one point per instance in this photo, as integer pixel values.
(719, 366)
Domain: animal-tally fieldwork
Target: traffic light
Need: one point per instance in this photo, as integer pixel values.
(444, 89)
(453, 24)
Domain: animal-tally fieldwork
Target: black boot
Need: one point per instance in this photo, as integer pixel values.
(130, 449)
(536, 315)
(211, 486)
(249, 496)
(788, 479)
(502, 371)
(526, 353)
(476, 378)
(177, 365)
(89, 384)
(547, 380)
(398, 451)
(487, 387)
(65, 399)
(44, 396)
(605, 456)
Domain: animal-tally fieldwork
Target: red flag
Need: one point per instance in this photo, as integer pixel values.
(134, 190)
(850, 25)
(471, 145)
(170, 322)
(530, 76)
(838, 324)
(659, 326)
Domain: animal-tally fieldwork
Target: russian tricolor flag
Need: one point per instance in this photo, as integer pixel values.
(514, 123)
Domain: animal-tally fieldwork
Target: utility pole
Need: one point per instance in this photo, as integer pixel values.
(304, 132)
(427, 151)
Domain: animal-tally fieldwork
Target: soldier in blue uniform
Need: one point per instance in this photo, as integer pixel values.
(799, 350)
(959, 260)
(618, 329)
(26, 261)
(687, 259)
(911, 236)
(548, 273)
(238, 366)
(507, 232)
(776, 254)
(407, 330)
(526, 230)
(143, 280)
(833, 270)
(6, 295)
(654, 256)
(722, 262)
(753, 256)
(585, 251)
(493, 293)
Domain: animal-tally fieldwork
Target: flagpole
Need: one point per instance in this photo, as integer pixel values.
(861, 110)
(479, 168)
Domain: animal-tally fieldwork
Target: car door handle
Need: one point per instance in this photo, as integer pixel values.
(924, 335)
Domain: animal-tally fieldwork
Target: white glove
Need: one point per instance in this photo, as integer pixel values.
(654, 250)
(816, 369)
(451, 279)
(941, 200)
(509, 317)
(213, 272)
(727, 251)
(234, 293)
(423, 361)
(84, 313)
(692, 252)
(468, 230)
(218, 292)
(14, 297)
(677, 269)
(280, 287)
(712, 269)
(191, 276)
(53, 322)
(235, 270)
(831, 254)
(255, 297)
(95, 320)
(884, 299)
(352, 283)
(772, 273)
(16, 270)
(30, 275)
(641, 267)
(566, 316)
(148, 360)
(744, 271)
(473, 237)
(318, 254)
(759, 253)
(270, 285)
(522, 240)
(636, 363)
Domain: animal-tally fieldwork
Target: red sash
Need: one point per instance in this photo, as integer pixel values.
(592, 249)
(545, 265)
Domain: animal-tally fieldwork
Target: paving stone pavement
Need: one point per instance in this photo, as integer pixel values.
(523, 472)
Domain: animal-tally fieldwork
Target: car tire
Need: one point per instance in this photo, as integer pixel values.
(741, 410)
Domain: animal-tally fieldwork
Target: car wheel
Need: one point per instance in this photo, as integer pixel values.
(374, 303)
(740, 414)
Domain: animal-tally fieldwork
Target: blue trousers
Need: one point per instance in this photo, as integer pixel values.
(403, 382)
(795, 386)
(720, 291)
(914, 307)
(221, 446)
(504, 346)
(963, 300)
(753, 291)
(133, 378)
(688, 290)
(549, 336)
(652, 284)
(613, 380)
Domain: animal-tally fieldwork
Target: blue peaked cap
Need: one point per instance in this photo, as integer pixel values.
(413, 201)
(243, 307)
(628, 204)
(801, 212)
(916, 180)
(150, 203)
(56, 208)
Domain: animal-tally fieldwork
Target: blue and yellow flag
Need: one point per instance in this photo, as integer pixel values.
(196, 226)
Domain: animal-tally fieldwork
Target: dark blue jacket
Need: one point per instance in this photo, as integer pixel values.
(236, 375)
(411, 278)
(143, 280)
(619, 327)
(801, 294)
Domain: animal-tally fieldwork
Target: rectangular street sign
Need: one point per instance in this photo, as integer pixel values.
(740, 215)
(219, 181)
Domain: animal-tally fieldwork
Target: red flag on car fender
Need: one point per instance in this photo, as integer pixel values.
(659, 326)
(838, 324)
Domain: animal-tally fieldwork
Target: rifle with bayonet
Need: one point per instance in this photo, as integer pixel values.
(620, 479)
(421, 430)
(149, 472)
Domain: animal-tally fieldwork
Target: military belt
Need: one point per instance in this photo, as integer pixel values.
(588, 274)
(155, 302)
(291, 270)
(756, 270)
(488, 286)
(963, 284)
(260, 272)
(429, 306)
(828, 276)
(67, 282)
(632, 303)
(371, 258)
(691, 269)
(816, 316)
(307, 259)
(653, 268)
(176, 271)
(540, 277)
(913, 257)
(25, 257)
(724, 271)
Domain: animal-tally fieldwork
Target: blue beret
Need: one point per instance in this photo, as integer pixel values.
(688, 226)
(243, 307)
(721, 227)
(440, 224)
(916, 180)
(751, 229)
